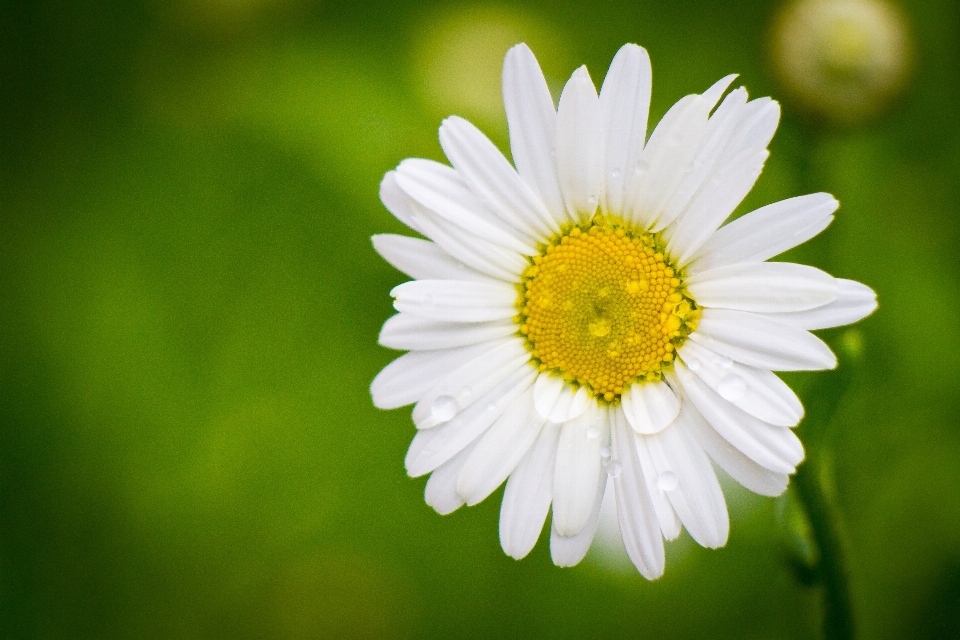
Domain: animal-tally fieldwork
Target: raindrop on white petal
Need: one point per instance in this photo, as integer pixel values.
(732, 387)
(593, 431)
(491, 406)
(615, 173)
(592, 201)
(444, 408)
(605, 451)
(726, 363)
(693, 364)
(467, 391)
(614, 468)
(667, 481)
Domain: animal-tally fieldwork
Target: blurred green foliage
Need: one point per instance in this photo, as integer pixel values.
(189, 305)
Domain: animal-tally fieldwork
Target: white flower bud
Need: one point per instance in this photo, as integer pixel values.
(843, 60)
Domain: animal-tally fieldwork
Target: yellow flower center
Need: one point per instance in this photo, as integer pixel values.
(603, 307)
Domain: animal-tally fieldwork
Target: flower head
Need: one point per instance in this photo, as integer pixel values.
(583, 323)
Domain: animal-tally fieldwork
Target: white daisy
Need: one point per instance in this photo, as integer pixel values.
(584, 316)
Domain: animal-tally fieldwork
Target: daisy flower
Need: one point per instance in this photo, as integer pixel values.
(580, 320)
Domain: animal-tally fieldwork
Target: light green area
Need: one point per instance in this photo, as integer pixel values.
(189, 304)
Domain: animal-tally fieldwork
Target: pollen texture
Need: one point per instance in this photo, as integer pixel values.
(603, 307)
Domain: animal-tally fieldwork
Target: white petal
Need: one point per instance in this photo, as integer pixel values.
(757, 391)
(650, 406)
(404, 331)
(568, 551)
(441, 490)
(569, 405)
(765, 287)
(696, 498)
(625, 105)
(671, 147)
(499, 450)
(758, 341)
(579, 404)
(533, 124)
(639, 527)
(767, 232)
(526, 499)
(433, 447)
(712, 152)
(712, 95)
(714, 203)
(486, 257)
(461, 386)
(666, 516)
(854, 302)
(546, 390)
(493, 179)
(441, 190)
(580, 159)
(422, 259)
(396, 201)
(577, 472)
(758, 122)
(741, 468)
(407, 378)
(456, 301)
(776, 448)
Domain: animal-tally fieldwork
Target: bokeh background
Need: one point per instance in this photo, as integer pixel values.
(189, 305)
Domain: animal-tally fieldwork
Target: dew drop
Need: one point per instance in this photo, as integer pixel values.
(693, 364)
(592, 201)
(667, 481)
(726, 363)
(605, 451)
(615, 173)
(732, 387)
(491, 406)
(593, 431)
(444, 408)
(614, 468)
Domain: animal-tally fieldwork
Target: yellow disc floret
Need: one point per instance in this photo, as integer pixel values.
(603, 307)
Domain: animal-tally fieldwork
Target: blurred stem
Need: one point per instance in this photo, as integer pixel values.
(831, 565)
(822, 401)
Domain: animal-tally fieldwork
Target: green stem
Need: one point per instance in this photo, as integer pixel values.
(831, 566)
(831, 571)
(822, 402)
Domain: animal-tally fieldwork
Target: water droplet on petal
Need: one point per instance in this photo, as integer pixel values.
(605, 451)
(732, 387)
(693, 364)
(614, 468)
(592, 201)
(491, 406)
(444, 408)
(726, 363)
(615, 173)
(667, 481)
(593, 431)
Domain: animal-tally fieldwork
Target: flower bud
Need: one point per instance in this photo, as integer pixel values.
(842, 60)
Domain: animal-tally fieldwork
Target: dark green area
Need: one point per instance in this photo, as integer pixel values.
(189, 305)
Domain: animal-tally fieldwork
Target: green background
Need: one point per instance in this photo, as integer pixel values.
(189, 306)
